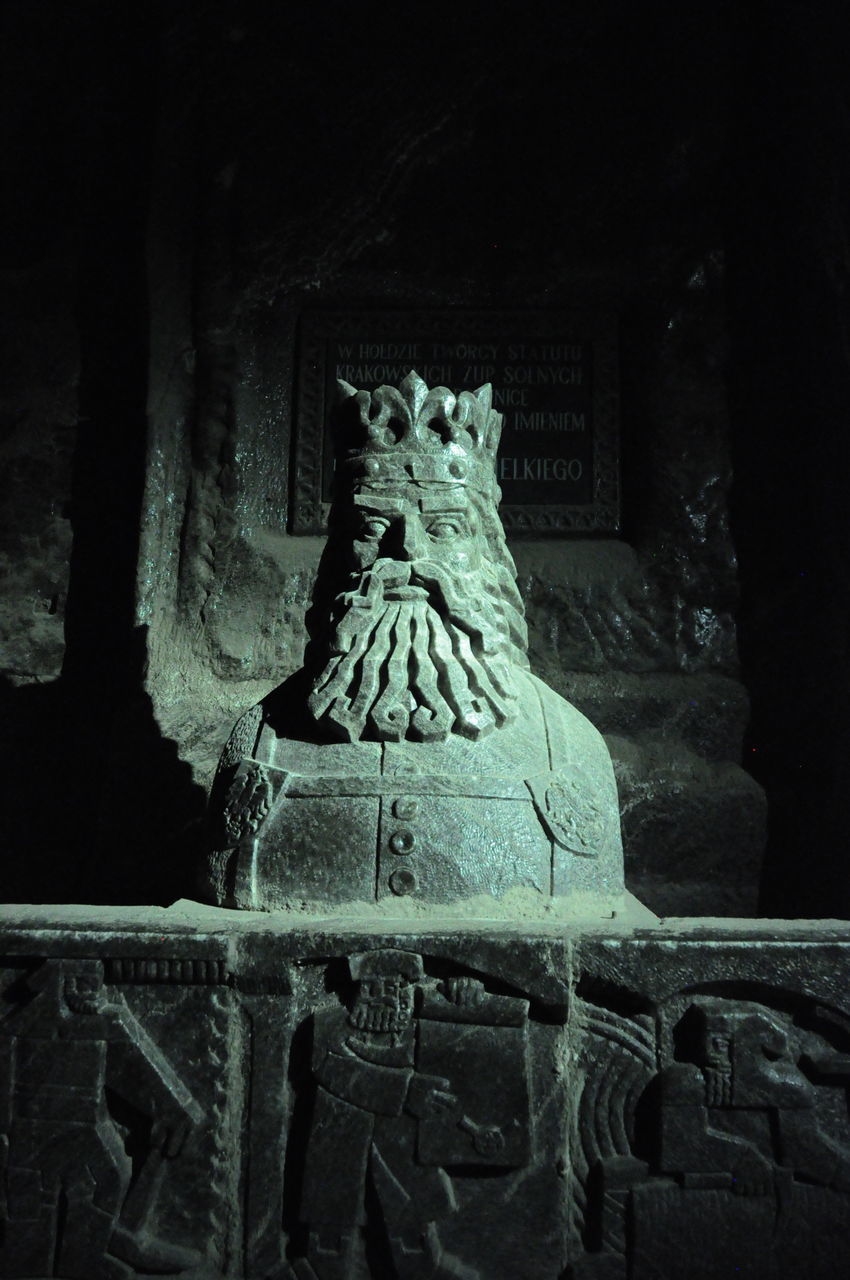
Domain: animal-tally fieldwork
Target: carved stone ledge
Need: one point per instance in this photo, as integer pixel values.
(351, 1098)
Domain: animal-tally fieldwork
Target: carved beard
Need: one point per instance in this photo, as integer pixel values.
(377, 1013)
(418, 653)
(83, 1001)
(718, 1086)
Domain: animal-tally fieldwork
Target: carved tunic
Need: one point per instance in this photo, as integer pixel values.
(531, 806)
(363, 1119)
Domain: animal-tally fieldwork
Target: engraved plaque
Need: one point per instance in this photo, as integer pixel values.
(554, 378)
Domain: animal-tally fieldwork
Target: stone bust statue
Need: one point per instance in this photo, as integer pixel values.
(415, 757)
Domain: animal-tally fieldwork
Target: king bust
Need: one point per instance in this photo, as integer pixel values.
(414, 756)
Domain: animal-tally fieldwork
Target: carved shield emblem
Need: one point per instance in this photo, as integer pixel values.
(570, 812)
(248, 801)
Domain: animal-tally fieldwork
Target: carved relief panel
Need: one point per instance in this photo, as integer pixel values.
(423, 1108)
(719, 1138)
(289, 1107)
(115, 1116)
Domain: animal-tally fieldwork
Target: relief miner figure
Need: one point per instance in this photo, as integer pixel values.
(415, 1081)
(744, 1111)
(68, 1205)
(415, 754)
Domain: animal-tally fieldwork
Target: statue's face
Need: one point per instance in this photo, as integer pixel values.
(421, 640)
(718, 1049)
(383, 1004)
(84, 993)
(417, 526)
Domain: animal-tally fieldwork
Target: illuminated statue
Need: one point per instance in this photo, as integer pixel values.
(415, 756)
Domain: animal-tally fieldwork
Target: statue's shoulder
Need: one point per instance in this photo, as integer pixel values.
(562, 719)
(577, 797)
(281, 714)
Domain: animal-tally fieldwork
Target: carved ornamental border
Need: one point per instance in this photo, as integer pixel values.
(600, 513)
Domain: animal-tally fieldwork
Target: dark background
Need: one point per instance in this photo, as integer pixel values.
(183, 179)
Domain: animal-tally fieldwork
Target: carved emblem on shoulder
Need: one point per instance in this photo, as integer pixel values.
(248, 800)
(571, 812)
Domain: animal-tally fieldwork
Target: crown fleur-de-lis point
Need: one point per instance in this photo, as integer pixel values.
(457, 414)
(484, 396)
(415, 393)
(379, 411)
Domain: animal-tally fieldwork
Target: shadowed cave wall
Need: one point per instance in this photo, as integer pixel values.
(190, 178)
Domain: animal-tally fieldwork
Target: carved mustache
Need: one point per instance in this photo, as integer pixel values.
(413, 579)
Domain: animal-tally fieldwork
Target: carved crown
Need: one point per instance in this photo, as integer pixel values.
(413, 432)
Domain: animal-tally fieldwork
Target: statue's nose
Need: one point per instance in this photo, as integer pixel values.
(408, 540)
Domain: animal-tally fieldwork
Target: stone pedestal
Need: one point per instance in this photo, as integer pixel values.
(204, 1093)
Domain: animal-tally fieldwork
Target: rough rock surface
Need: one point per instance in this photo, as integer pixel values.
(38, 418)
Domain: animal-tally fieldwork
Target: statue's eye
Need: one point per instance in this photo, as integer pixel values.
(445, 530)
(373, 528)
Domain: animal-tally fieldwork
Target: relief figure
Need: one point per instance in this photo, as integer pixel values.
(69, 1196)
(415, 1083)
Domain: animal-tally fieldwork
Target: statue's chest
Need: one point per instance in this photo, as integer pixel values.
(436, 821)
